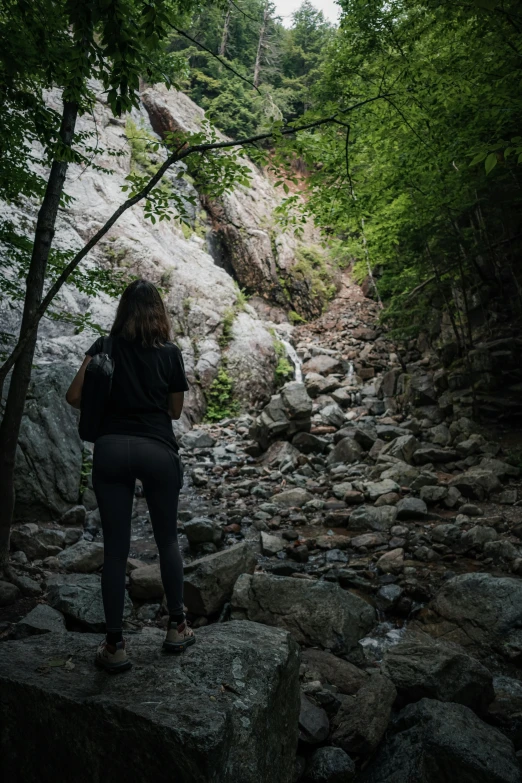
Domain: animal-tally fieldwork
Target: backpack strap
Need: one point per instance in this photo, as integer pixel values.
(107, 345)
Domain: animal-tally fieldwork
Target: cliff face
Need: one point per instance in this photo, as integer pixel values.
(199, 270)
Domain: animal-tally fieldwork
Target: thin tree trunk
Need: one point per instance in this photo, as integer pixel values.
(224, 37)
(262, 31)
(10, 426)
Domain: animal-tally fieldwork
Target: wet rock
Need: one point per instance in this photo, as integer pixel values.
(9, 593)
(78, 597)
(402, 448)
(83, 557)
(433, 741)
(314, 725)
(421, 667)
(329, 765)
(371, 518)
(75, 517)
(209, 581)
(347, 450)
(197, 439)
(392, 562)
(201, 530)
(229, 708)
(433, 495)
(145, 583)
(479, 610)
(292, 497)
(388, 596)
(411, 508)
(362, 719)
(333, 670)
(41, 619)
(315, 612)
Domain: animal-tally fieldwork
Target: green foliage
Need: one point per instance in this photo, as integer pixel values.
(295, 318)
(313, 267)
(226, 333)
(219, 397)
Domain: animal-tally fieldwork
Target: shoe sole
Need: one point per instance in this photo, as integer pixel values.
(114, 668)
(178, 647)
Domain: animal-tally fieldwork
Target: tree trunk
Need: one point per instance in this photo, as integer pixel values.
(10, 426)
(262, 31)
(224, 37)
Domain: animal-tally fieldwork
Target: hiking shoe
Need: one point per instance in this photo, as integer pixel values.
(178, 637)
(112, 658)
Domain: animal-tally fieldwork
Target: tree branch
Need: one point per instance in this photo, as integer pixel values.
(180, 153)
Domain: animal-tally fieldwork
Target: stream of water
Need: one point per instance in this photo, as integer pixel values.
(294, 358)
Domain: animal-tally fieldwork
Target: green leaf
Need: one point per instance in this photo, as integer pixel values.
(490, 162)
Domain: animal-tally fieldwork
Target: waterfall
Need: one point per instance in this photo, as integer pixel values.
(350, 372)
(294, 358)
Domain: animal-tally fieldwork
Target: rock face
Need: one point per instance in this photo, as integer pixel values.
(433, 742)
(362, 719)
(225, 711)
(210, 580)
(49, 454)
(316, 613)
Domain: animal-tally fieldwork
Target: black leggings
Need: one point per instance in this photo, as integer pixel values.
(118, 461)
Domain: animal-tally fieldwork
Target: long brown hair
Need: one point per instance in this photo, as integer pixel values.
(141, 315)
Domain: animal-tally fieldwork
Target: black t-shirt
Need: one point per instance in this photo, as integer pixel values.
(142, 380)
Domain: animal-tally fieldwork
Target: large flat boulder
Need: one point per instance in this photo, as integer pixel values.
(316, 612)
(224, 711)
(209, 581)
(78, 597)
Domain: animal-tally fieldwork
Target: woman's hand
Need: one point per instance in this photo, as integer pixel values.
(74, 392)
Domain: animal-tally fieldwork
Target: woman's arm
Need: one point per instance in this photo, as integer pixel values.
(176, 404)
(74, 392)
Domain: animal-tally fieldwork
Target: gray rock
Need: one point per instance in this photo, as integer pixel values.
(401, 448)
(315, 612)
(506, 708)
(368, 540)
(74, 516)
(361, 721)
(470, 510)
(72, 535)
(331, 669)
(500, 469)
(197, 439)
(26, 585)
(501, 551)
(389, 432)
(477, 536)
(322, 364)
(374, 489)
(292, 497)
(270, 544)
(433, 495)
(480, 610)
(347, 450)
(387, 596)
(404, 475)
(35, 544)
(476, 483)
(201, 530)
(209, 581)
(78, 597)
(434, 741)
(314, 725)
(145, 583)
(421, 667)
(83, 557)
(49, 454)
(41, 619)
(225, 711)
(315, 384)
(333, 414)
(411, 508)
(329, 765)
(447, 534)
(9, 593)
(308, 443)
(392, 562)
(296, 402)
(428, 454)
(380, 519)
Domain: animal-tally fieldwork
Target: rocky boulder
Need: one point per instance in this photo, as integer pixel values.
(78, 597)
(362, 719)
(315, 612)
(434, 741)
(49, 455)
(209, 581)
(223, 712)
(286, 414)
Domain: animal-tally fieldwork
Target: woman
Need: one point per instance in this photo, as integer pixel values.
(136, 442)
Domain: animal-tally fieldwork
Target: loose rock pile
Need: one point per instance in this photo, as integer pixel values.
(363, 515)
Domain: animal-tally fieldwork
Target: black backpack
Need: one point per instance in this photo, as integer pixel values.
(96, 390)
